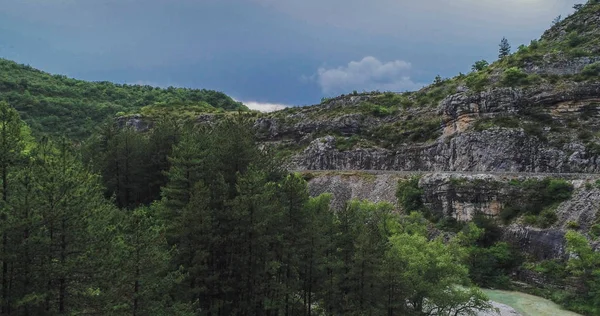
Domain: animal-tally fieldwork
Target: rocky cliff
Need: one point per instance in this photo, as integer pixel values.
(462, 196)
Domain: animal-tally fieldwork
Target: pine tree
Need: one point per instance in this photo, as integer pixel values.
(67, 196)
(504, 48)
(11, 145)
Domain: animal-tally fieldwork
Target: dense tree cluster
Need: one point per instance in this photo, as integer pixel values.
(198, 220)
(217, 229)
(57, 105)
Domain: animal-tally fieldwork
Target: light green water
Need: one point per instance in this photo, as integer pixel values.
(527, 305)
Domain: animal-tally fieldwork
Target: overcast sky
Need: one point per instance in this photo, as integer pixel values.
(268, 52)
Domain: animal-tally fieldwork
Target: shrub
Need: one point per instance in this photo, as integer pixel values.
(489, 267)
(514, 76)
(572, 225)
(547, 218)
(476, 81)
(595, 230)
(375, 109)
(573, 39)
(346, 143)
(578, 52)
(591, 70)
(409, 195)
(480, 65)
(534, 44)
(559, 190)
(537, 200)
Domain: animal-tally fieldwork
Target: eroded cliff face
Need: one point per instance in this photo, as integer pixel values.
(462, 196)
(501, 129)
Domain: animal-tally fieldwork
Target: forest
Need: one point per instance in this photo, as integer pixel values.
(199, 220)
(61, 106)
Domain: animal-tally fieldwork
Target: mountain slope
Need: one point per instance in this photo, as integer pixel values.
(533, 111)
(55, 104)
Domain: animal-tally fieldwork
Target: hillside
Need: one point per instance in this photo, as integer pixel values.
(58, 105)
(535, 110)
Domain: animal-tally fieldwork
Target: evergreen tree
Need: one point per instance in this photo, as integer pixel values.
(11, 146)
(504, 48)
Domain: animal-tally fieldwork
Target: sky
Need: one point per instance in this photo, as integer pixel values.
(268, 53)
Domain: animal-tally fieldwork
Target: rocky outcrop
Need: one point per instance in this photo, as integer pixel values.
(462, 148)
(553, 64)
(362, 186)
(137, 122)
(498, 149)
(462, 196)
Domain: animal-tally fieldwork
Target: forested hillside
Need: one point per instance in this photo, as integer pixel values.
(57, 105)
(225, 232)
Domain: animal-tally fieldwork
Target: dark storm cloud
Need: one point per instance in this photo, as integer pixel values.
(268, 51)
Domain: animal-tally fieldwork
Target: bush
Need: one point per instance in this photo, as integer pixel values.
(476, 81)
(480, 65)
(534, 45)
(547, 218)
(595, 230)
(346, 143)
(489, 267)
(573, 39)
(591, 70)
(514, 76)
(375, 109)
(572, 225)
(537, 200)
(409, 195)
(559, 190)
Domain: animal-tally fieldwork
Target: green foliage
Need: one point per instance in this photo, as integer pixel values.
(595, 230)
(480, 65)
(498, 121)
(409, 131)
(55, 104)
(477, 81)
(513, 77)
(393, 100)
(584, 265)
(592, 70)
(504, 48)
(232, 234)
(490, 266)
(346, 143)
(537, 199)
(572, 225)
(573, 39)
(374, 109)
(410, 195)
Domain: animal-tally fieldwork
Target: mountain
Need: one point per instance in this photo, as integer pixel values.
(535, 110)
(57, 105)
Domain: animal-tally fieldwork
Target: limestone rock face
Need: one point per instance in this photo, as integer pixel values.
(463, 195)
(497, 149)
(461, 146)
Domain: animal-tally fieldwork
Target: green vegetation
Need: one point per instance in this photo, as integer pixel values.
(409, 131)
(409, 195)
(504, 48)
(584, 267)
(537, 200)
(197, 220)
(480, 65)
(57, 105)
(477, 81)
(592, 70)
(376, 110)
(514, 77)
(347, 143)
